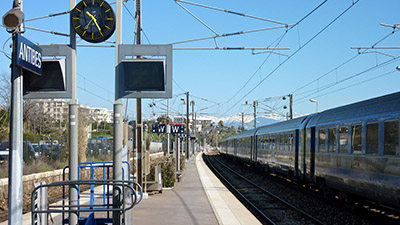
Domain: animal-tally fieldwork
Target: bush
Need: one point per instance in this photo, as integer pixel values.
(182, 163)
(167, 170)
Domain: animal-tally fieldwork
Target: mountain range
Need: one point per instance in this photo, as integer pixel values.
(236, 120)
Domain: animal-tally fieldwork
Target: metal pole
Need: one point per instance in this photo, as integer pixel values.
(15, 184)
(187, 126)
(291, 106)
(117, 158)
(193, 125)
(177, 159)
(242, 121)
(145, 159)
(255, 113)
(73, 128)
(168, 127)
(139, 127)
(73, 160)
(117, 122)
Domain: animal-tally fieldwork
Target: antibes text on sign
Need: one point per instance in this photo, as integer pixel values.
(28, 55)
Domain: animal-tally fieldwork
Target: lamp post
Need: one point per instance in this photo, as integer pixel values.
(255, 103)
(316, 103)
(183, 120)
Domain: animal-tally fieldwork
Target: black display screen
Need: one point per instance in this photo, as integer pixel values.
(143, 75)
(51, 79)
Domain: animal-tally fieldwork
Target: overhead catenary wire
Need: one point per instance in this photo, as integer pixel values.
(228, 35)
(298, 50)
(278, 41)
(217, 35)
(232, 12)
(349, 86)
(50, 15)
(350, 77)
(344, 63)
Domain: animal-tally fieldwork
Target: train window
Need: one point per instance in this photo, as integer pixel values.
(343, 139)
(332, 140)
(372, 138)
(356, 137)
(281, 144)
(286, 142)
(322, 138)
(391, 144)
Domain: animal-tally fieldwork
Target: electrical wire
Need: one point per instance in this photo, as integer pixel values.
(344, 63)
(298, 50)
(4, 46)
(351, 77)
(279, 40)
(178, 85)
(193, 96)
(352, 85)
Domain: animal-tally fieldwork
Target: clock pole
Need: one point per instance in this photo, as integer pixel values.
(139, 125)
(73, 128)
(118, 126)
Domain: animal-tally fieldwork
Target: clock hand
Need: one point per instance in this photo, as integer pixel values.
(86, 27)
(94, 20)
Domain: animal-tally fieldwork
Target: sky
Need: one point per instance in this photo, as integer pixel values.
(320, 63)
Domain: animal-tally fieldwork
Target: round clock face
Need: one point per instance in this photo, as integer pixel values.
(93, 20)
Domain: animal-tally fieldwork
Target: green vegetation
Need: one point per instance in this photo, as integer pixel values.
(39, 165)
(103, 133)
(167, 170)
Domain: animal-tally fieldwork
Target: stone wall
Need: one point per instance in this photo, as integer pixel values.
(48, 177)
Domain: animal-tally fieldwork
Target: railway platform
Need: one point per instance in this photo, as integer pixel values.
(199, 199)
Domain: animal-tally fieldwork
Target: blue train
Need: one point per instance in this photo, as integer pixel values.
(351, 150)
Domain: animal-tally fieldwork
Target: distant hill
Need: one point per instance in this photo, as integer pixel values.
(236, 120)
(249, 123)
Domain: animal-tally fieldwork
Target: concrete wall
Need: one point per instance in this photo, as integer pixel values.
(48, 177)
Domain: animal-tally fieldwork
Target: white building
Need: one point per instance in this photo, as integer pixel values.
(58, 109)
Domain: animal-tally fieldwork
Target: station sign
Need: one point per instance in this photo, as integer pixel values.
(162, 128)
(28, 55)
(159, 128)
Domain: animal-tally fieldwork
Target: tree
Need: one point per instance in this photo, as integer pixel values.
(163, 119)
(5, 96)
(5, 91)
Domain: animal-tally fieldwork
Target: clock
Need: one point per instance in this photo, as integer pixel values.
(93, 20)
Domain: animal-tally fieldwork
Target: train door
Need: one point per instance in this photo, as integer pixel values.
(311, 155)
(302, 154)
(254, 149)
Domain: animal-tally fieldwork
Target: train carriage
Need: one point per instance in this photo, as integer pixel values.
(356, 148)
(353, 149)
(240, 145)
(278, 146)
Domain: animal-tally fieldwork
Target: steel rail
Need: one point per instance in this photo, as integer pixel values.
(273, 195)
(237, 193)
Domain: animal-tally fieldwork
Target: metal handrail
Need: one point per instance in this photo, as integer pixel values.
(126, 187)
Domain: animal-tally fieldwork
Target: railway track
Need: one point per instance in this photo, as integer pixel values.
(268, 208)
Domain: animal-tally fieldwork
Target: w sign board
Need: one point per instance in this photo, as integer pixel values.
(159, 128)
(28, 55)
(178, 129)
(162, 128)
